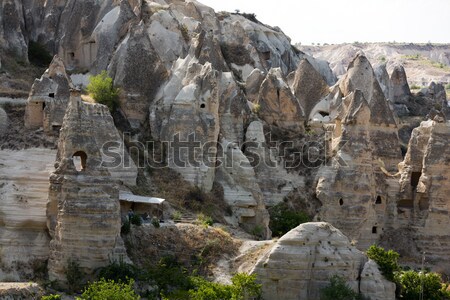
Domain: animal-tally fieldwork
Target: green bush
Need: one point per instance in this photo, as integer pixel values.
(74, 276)
(283, 219)
(244, 287)
(204, 220)
(386, 260)
(101, 88)
(176, 216)
(136, 220)
(155, 222)
(118, 271)
(38, 55)
(338, 290)
(51, 297)
(126, 227)
(411, 283)
(110, 290)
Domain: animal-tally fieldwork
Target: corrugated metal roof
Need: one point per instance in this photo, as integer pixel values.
(126, 196)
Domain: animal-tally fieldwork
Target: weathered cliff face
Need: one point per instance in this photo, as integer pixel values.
(3, 120)
(275, 181)
(277, 105)
(348, 187)
(12, 37)
(309, 87)
(23, 195)
(48, 99)
(399, 92)
(83, 211)
(423, 196)
(301, 262)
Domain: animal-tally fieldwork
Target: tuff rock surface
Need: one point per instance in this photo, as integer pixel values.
(48, 99)
(83, 211)
(300, 263)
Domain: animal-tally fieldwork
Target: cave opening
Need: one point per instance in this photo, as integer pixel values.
(415, 177)
(79, 160)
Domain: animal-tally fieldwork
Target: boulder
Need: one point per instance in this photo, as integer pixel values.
(301, 262)
(373, 285)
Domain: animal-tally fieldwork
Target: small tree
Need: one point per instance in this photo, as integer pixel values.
(386, 260)
(74, 276)
(110, 290)
(101, 88)
(413, 284)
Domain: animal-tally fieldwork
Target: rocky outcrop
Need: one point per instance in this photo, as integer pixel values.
(383, 132)
(12, 37)
(3, 120)
(48, 99)
(302, 261)
(23, 224)
(423, 198)
(83, 212)
(399, 92)
(373, 285)
(383, 78)
(241, 190)
(309, 87)
(277, 105)
(347, 187)
(20, 290)
(273, 178)
(139, 71)
(187, 110)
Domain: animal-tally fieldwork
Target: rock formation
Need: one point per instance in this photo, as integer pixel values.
(399, 92)
(12, 38)
(275, 181)
(423, 197)
(83, 211)
(347, 187)
(48, 99)
(23, 224)
(373, 285)
(3, 120)
(309, 87)
(301, 263)
(277, 105)
(384, 80)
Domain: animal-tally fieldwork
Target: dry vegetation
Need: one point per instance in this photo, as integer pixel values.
(196, 247)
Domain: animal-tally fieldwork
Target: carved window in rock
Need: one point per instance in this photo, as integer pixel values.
(379, 200)
(79, 160)
(341, 202)
(415, 177)
(374, 229)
